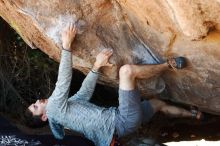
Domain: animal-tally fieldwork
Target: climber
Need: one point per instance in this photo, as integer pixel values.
(97, 123)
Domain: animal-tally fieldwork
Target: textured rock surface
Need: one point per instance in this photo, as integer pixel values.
(139, 31)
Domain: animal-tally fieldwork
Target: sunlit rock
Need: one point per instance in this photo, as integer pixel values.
(139, 32)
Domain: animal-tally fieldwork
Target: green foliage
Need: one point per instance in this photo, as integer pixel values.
(31, 72)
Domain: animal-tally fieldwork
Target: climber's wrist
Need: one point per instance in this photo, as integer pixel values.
(95, 67)
(66, 49)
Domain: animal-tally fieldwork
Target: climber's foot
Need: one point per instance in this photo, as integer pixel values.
(196, 113)
(176, 62)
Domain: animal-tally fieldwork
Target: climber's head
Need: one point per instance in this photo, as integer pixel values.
(35, 115)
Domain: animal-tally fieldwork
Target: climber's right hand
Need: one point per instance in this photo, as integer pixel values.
(102, 59)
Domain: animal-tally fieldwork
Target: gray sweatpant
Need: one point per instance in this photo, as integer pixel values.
(131, 112)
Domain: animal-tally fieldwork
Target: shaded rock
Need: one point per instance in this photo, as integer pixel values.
(140, 32)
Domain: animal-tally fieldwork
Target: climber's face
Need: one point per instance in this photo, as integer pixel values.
(39, 107)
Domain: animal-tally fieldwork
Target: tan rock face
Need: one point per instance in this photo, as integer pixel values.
(139, 32)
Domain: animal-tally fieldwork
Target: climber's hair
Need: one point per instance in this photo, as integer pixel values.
(33, 121)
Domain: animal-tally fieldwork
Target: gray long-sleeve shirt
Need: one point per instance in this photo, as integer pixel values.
(77, 113)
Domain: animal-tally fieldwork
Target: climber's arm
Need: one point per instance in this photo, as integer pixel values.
(60, 94)
(89, 83)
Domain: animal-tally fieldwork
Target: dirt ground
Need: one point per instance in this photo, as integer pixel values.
(166, 129)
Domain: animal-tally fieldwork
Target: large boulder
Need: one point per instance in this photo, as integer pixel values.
(139, 32)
